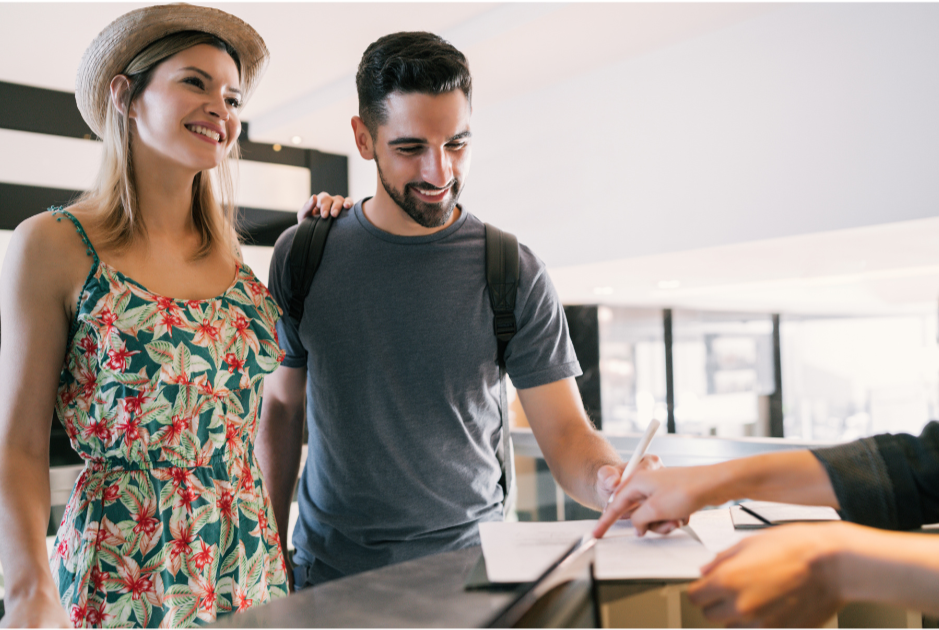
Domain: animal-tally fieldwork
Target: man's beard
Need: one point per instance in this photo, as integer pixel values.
(428, 215)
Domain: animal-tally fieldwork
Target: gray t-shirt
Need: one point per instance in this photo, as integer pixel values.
(403, 389)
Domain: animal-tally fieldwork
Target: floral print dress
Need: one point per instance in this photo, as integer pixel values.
(169, 524)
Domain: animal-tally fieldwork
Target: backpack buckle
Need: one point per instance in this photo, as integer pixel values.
(504, 326)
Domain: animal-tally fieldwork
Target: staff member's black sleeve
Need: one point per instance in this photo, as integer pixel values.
(887, 481)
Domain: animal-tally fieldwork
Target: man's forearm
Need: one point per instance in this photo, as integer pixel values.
(577, 467)
(279, 447)
(603, 455)
(572, 448)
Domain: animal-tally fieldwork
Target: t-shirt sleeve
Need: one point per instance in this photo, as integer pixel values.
(288, 331)
(541, 351)
(887, 481)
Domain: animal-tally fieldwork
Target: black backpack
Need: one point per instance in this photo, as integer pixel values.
(306, 252)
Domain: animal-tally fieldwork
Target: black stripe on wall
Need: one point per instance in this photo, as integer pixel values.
(18, 202)
(583, 322)
(54, 112)
(38, 110)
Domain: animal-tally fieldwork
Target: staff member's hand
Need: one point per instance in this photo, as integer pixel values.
(786, 576)
(325, 205)
(655, 498)
(608, 482)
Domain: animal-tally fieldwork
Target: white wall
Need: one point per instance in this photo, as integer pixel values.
(814, 117)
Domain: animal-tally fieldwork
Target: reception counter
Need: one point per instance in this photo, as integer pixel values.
(429, 592)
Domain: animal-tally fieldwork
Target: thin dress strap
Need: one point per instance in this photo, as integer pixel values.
(89, 248)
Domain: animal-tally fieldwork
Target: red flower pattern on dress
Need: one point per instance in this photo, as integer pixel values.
(135, 582)
(185, 497)
(77, 615)
(234, 363)
(226, 504)
(170, 321)
(107, 320)
(134, 404)
(174, 430)
(95, 617)
(88, 345)
(207, 333)
(97, 578)
(112, 493)
(98, 430)
(181, 542)
(117, 357)
(241, 598)
(204, 590)
(203, 556)
(131, 431)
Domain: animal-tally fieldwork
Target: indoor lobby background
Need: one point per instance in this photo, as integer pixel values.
(736, 202)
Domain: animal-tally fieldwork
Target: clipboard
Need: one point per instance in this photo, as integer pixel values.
(557, 593)
(762, 514)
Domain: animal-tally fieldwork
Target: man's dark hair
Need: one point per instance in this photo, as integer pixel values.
(408, 62)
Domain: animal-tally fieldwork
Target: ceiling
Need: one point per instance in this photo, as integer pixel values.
(876, 270)
(308, 96)
(309, 89)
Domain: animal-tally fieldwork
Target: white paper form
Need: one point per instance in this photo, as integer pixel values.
(520, 552)
(715, 529)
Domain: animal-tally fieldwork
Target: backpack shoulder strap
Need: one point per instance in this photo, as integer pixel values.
(306, 252)
(502, 281)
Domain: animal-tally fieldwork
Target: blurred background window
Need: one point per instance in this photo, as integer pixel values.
(850, 377)
(632, 368)
(723, 373)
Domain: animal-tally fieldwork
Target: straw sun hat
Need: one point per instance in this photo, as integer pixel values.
(117, 45)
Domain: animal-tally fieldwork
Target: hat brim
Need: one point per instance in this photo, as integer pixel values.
(117, 45)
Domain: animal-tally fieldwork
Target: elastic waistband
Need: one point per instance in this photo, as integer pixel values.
(105, 465)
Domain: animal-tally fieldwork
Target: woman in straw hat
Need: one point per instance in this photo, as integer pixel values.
(169, 523)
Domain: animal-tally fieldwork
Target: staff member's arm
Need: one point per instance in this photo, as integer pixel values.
(585, 465)
(801, 575)
(653, 497)
(279, 444)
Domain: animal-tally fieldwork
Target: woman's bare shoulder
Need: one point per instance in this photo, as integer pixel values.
(51, 243)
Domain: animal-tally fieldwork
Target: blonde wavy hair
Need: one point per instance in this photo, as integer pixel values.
(114, 193)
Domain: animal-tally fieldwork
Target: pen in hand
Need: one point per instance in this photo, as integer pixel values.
(637, 455)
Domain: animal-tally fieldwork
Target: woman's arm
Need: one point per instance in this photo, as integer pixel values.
(35, 288)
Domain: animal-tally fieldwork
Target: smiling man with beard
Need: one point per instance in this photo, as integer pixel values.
(395, 354)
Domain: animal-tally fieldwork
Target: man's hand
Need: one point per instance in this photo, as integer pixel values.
(608, 476)
(324, 204)
(279, 445)
(655, 498)
(786, 576)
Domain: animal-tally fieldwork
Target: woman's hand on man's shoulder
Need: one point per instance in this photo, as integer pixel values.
(325, 205)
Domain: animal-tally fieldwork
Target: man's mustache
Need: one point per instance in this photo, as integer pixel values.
(429, 187)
